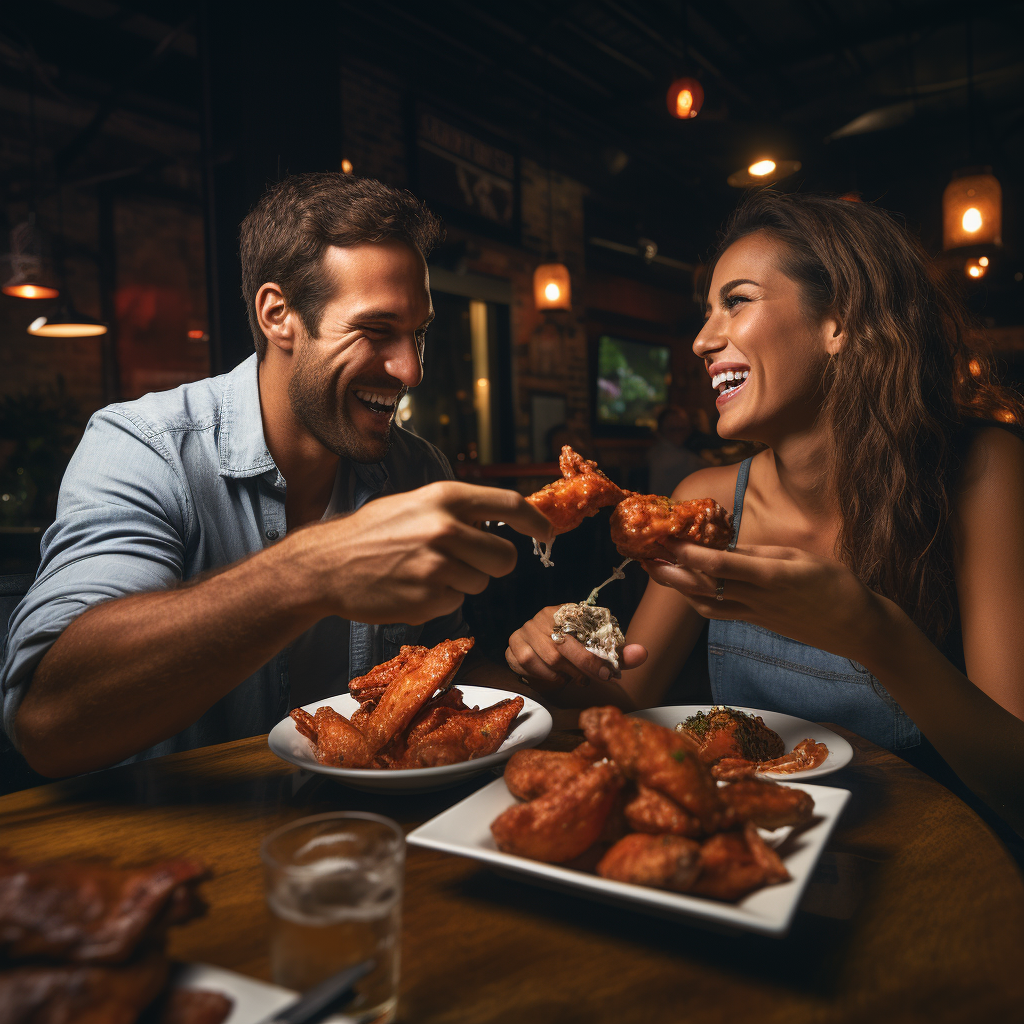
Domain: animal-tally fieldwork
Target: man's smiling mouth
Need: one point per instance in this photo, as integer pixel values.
(377, 402)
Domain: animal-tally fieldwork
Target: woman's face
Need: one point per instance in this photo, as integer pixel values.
(759, 331)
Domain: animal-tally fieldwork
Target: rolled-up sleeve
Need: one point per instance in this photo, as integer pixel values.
(123, 518)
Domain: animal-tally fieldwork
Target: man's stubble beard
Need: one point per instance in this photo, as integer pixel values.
(315, 403)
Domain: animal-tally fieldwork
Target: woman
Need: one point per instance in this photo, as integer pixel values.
(878, 571)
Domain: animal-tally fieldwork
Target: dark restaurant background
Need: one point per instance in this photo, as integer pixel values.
(135, 136)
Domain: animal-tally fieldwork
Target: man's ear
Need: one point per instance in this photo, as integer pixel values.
(835, 337)
(278, 321)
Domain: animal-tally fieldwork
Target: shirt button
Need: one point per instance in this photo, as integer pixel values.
(272, 535)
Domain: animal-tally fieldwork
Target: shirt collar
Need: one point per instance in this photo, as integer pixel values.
(241, 447)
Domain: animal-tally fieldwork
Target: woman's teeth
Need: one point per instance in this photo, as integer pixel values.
(378, 402)
(729, 379)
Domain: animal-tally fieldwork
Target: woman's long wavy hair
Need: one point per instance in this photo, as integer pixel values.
(898, 395)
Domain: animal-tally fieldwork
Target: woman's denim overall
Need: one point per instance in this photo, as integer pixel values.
(756, 668)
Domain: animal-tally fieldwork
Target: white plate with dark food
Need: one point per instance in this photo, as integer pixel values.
(792, 730)
(465, 831)
(252, 1001)
(530, 727)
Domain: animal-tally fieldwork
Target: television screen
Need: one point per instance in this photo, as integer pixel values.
(632, 382)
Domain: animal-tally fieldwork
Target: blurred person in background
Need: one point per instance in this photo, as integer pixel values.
(669, 459)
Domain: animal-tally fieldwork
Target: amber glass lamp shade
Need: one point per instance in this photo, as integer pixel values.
(66, 323)
(30, 286)
(972, 212)
(552, 288)
(685, 98)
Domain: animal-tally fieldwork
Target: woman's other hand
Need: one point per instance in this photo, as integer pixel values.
(550, 668)
(815, 600)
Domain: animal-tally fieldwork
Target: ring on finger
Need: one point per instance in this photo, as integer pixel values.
(720, 590)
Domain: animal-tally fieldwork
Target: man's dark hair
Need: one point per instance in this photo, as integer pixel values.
(285, 236)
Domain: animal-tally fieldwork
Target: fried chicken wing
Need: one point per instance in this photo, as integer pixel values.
(659, 758)
(641, 522)
(805, 755)
(378, 678)
(735, 863)
(767, 804)
(563, 823)
(336, 741)
(407, 693)
(532, 773)
(462, 735)
(582, 490)
(653, 812)
(91, 913)
(664, 862)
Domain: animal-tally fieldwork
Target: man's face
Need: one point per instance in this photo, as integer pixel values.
(346, 384)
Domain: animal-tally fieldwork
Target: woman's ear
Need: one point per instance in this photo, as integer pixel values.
(834, 337)
(276, 318)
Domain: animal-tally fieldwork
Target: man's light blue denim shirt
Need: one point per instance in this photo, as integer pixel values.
(170, 486)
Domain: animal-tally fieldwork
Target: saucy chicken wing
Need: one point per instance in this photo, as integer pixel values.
(563, 823)
(581, 492)
(461, 735)
(532, 773)
(336, 741)
(641, 522)
(653, 812)
(376, 681)
(725, 732)
(659, 758)
(663, 862)
(767, 804)
(735, 863)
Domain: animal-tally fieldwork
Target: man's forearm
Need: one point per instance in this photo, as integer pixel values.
(132, 672)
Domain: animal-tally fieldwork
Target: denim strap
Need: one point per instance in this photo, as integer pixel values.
(737, 508)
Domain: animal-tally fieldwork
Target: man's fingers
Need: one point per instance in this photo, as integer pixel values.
(485, 552)
(473, 503)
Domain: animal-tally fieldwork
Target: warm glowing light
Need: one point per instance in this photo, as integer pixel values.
(483, 382)
(972, 212)
(761, 168)
(42, 328)
(983, 261)
(975, 367)
(1005, 416)
(975, 271)
(30, 291)
(197, 335)
(975, 268)
(405, 408)
(971, 220)
(346, 166)
(685, 98)
(444, 419)
(552, 288)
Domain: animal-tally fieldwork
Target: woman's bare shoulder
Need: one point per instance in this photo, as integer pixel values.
(718, 482)
(992, 484)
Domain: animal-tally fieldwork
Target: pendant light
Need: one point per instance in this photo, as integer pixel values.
(972, 203)
(685, 95)
(552, 286)
(67, 322)
(31, 278)
(763, 171)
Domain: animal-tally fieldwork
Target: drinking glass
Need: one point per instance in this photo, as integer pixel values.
(334, 889)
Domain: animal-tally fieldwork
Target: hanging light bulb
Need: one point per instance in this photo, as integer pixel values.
(685, 98)
(552, 288)
(763, 171)
(761, 168)
(30, 279)
(972, 211)
(67, 322)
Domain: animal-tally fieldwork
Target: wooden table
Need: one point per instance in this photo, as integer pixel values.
(916, 913)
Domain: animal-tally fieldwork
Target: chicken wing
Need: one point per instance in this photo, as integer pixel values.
(379, 676)
(726, 732)
(767, 804)
(641, 522)
(664, 862)
(659, 758)
(735, 863)
(336, 741)
(532, 773)
(563, 823)
(653, 812)
(407, 693)
(462, 735)
(805, 755)
(91, 913)
(582, 490)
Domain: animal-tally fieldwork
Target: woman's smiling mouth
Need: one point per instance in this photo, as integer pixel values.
(728, 383)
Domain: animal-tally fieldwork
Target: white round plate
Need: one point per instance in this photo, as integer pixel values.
(792, 730)
(532, 725)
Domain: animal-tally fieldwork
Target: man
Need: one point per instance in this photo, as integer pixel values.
(237, 486)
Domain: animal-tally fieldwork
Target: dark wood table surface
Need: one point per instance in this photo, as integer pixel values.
(916, 912)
